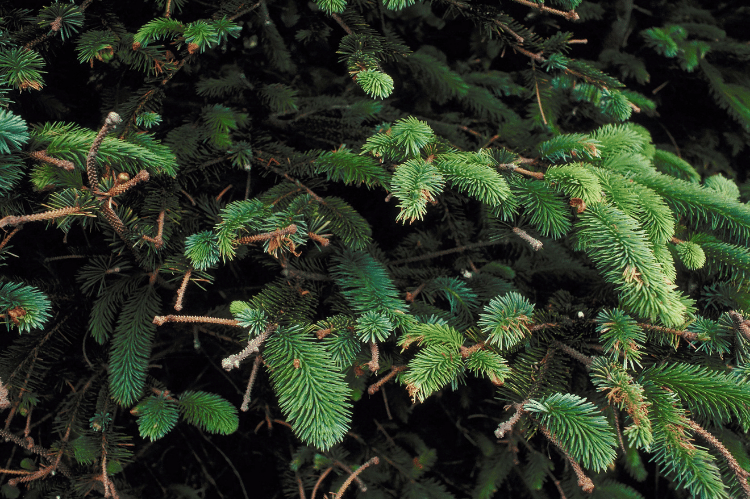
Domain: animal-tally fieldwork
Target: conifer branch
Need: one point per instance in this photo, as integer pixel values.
(233, 361)
(243, 12)
(7, 237)
(141, 176)
(374, 365)
(12, 220)
(686, 335)
(507, 426)
(535, 244)
(61, 163)
(363, 488)
(113, 119)
(437, 254)
(159, 320)
(253, 375)
(583, 481)
(157, 241)
(385, 379)
(740, 323)
(181, 290)
(341, 23)
(286, 231)
(739, 471)
(572, 352)
(467, 351)
(320, 480)
(571, 15)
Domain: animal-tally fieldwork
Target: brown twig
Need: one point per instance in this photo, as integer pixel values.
(374, 365)
(686, 335)
(507, 426)
(286, 231)
(13, 220)
(320, 480)
(354, 476)
(572, 352)
(571, 15)
(113, 119)
(157, 241)
(61, 163)
(141, 176)
(253, 375)
(583, 481)
(7, 238)
(385, 379)
(181, 290)
(535, 244)
(161, 319)
(341, 23)
(233, 361)
(738, 470)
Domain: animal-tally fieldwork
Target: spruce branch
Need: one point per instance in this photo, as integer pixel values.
(354, 475)
(437, 254)
(113, 119)
(7, 237)
(44, 157)
(507, 426)
(233, 361)
(535, 244)
(740, 323)
(686, 335)
(253, 375)
(583, 480)
(320, 480)
(141, 176)
(374, 365)
(276, 234)
(159, 320)
(738, 470)
(572, 352)
(157, 241)
(385, 379)
(12, 220)
(181, 290)
(571, 15)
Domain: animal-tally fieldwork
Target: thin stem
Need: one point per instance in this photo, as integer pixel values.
(7, 238)
(292, 229)
(13, 220)
(113, 119)
(437, 254)
(686, 335)
(385, 379)
(583, 481)
(738, 471)
(159, 320)
(353, 476)
(233, 361)
(320, 480)
(141, 176)
(253, 375)
(181, 291)
(341, 23)
(61, 163)
(571, 15)
(507, 426)
(158, 241)
(535, 244)
(572, 352)
(374, 365)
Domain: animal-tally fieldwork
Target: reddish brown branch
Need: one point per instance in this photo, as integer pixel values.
(738, 470)
(161, 319)
(157, 241)
(44, 157)
(181, 290)
(13, 220)
(354, 476)
(385, 379)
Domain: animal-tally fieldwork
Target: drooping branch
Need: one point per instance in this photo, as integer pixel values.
(738, 470)
(351, 477)
(583, 480)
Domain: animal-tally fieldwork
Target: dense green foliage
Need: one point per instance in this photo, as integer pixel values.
(467, 249)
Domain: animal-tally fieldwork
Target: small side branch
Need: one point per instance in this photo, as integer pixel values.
(351, 478)
(13, 220)
(233, 361)
(507, 426)
(253, 375)
(572, 352)
(374, 364)
(570, 15)
(181, 291)
(535, 244)
(159, 320)
(385, 379)
(583, 481)
(738, 471)
(158, 241)
(60, 163)
(113, 119)
(141, 176)
(686, 335)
